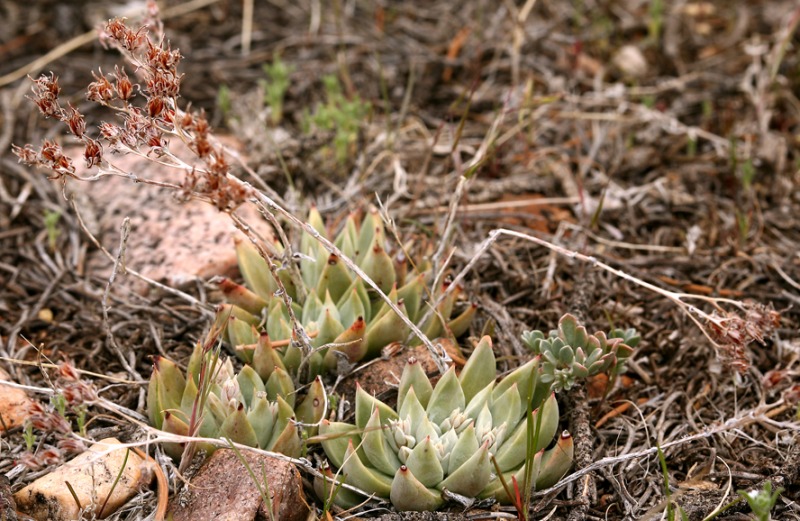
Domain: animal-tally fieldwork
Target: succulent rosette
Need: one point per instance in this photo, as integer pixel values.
(448, 437)
(570, 352)
(344, 318)
(258, 410)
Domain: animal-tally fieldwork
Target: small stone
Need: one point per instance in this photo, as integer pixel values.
(170, 241)
(92, 476)
(223, 490)
(14, 404)
(630, 61)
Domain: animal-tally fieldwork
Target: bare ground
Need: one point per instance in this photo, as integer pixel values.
(663, 144)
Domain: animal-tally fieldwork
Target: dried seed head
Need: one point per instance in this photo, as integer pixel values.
(93, 153)
(124, 86)
(75, 121)
(118, 34)
(45, 95)
(27, 155)
(101, 90)
(155, 106)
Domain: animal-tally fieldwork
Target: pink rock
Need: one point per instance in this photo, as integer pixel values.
(170, 241)
(103, 478)
(14, 404)
(224, 490)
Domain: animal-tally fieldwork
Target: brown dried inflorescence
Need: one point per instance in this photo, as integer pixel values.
(146, 127)
(734, 332)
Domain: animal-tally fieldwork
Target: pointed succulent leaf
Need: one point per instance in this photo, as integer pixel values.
(265, 357)
(335, 278)
(414, 377)
(277, 325)
(460, 324)
(412, 293)
(466, 446)
(409, 494)
(412, 410)
(472, 476)
(329, 488)
(237, 428)
(262, 418)
(351, 343)
(312, 407)
(524, 376)
(154, 411)
(287, 442)
(507, 408)
(382, 308)
(351, 306)
(371, 227)
(307, 242)
(514, 449)
(241, 333)
(242, 297)
(174, 425)
(447, 396)
(255, 270)
(171, 383)
(249, 384)
(480, 369)
(379, 267)
(312, 307)
(555, 462)
(363, 477)
(376, 447)
(292, 357)
(335, 437)
(365, 403)
(425, 428)
(279, 385)
(284, 416)
(389, 328)
(329, 329)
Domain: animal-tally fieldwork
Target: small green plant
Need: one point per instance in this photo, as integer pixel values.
(671, 513)
(343, 320)
(257, 410)
(762, 501)
(341, 115)
(224, 100)
(29, 436)
(655, 20)
(275, 87)
(449, 437)
(570, 352)
(51, 219)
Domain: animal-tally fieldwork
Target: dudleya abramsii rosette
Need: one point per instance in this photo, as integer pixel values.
(570, 352)
(445, 437)
(343, 317)
(258, 410)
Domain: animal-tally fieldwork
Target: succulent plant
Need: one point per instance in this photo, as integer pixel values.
(343, 318)
(570, 352)
(252, 408)
(445, 437)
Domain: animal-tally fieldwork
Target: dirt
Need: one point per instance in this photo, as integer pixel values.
(660, 143)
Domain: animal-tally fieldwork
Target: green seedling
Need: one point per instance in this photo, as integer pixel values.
(762, 501)
(341, 115)
(51, 219)
(275, 87)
